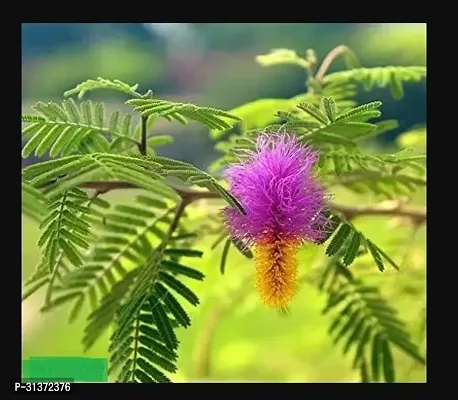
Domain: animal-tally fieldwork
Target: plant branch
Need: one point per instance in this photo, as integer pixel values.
(143, 145)
(328, 60)
(418, 216)
(189, 194)
(176, 219)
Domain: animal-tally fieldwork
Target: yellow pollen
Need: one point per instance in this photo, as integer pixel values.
(276, 271)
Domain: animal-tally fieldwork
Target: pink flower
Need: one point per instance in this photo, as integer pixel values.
(284, 205)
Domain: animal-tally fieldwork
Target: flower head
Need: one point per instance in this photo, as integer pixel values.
(284, 208)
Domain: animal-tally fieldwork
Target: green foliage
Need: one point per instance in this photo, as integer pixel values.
(131, 235)
(60, 129)
(65, 226)
(101, 83)
(282, 57)
(128, 263)
(181, 112)
(339, 85)
(65, 234)
(381, 77)
(33, 202)
(363, 321)
(342, 161)
(348, 241)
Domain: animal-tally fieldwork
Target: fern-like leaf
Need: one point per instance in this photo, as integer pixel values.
(100, 83)
(281, 57)
(338, 161)
(392, 76)
(365, 322)
(152, 299)
(65, 234)
(323, 126)
(61, 129)
(348, 241)
(258, 113)
(181, 112)
(71, 171)
(127, 236)
(33, 202)
(334, 127)
(140, 352)
(65, 227)
(143, 172)
(383, 183)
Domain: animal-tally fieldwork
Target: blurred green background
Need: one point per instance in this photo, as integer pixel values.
(233, 337)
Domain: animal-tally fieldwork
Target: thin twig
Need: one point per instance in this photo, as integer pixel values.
(176, 219)
(328, 60)
(105, 187)
(417, 215)
(143, 144)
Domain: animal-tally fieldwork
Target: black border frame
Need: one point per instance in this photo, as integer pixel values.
(11, 263)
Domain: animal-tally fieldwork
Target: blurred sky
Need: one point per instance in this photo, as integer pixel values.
(212, 64)
(157, 48)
